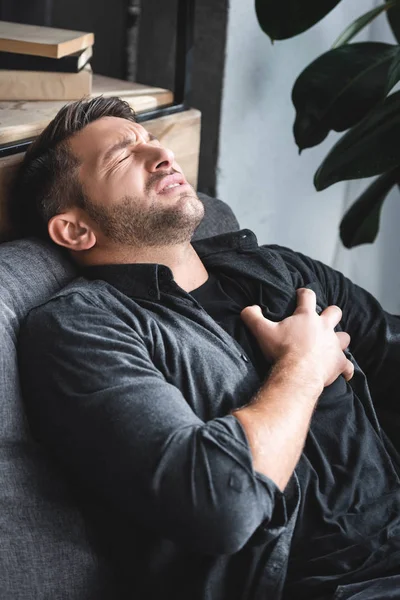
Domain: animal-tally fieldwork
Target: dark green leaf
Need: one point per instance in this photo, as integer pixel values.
(370, 148)
(393, 74)
(359, 24)
(286, 18)
(339, 88)
(393, 16)
(360, 224)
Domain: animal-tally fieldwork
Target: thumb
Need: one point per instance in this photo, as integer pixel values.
(253, 317)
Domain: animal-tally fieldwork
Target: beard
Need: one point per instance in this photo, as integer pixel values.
(127, 223)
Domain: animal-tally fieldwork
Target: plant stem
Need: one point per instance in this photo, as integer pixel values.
(356, 26)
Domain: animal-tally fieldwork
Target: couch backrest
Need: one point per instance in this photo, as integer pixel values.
(45, 551)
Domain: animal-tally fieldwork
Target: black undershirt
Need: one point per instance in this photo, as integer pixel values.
(223, 298)
(348, 528)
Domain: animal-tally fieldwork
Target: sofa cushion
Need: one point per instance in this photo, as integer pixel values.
(45, 549)
(218, 218)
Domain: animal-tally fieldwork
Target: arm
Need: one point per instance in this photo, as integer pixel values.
(308, 356)
(128, 436)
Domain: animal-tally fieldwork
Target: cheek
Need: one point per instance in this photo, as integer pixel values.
(128, 180)
(93, 184)
(108, 188)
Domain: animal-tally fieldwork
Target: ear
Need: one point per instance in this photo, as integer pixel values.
(72, 231)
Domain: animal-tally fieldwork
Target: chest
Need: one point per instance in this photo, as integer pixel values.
(215, 370)
(194, 353)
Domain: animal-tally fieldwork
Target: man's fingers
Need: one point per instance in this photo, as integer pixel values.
(344, 339)
(348, 371)
(332, 315)
(252, 316)
(306, 300)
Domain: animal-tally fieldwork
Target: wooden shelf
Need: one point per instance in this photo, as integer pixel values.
(26, 119)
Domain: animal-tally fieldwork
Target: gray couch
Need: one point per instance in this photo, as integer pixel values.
(47, 548)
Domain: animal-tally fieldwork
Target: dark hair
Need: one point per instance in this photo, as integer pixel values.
(46, 182)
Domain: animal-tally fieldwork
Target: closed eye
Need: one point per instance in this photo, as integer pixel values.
(122, 159)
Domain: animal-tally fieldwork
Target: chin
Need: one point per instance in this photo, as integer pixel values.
(191, 195)
(184, 218)
(195, 204)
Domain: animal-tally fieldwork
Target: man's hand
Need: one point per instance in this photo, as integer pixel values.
(305, 338)
(308, 356)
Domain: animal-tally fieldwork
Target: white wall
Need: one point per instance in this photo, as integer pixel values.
(261, 175)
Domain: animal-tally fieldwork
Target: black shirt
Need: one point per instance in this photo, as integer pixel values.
(344, 532)
(130, 383)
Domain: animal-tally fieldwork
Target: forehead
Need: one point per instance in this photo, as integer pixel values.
(97, 137)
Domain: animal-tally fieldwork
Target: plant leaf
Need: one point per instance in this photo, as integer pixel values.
(286, 18)
(393, 74)
(359, 24)
(339, 88)
(393, 16)
(360, 224)
(370, 148)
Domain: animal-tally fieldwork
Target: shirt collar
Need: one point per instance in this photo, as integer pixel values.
(243, 241)
(147, 280)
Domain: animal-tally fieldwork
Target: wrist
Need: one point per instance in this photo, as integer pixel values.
(301, 371)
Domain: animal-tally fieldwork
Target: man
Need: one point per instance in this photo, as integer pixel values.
(206, 393)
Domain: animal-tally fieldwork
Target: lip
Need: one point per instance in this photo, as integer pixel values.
(170, 180)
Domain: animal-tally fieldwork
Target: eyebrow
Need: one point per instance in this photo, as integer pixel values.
(127, 141)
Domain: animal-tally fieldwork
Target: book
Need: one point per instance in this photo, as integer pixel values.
(45, 85)
(28, 62)
(42, 41)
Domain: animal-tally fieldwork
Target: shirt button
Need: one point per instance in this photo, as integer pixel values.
(152, 293)
(244, 357)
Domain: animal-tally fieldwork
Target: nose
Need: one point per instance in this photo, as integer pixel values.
(159, 158)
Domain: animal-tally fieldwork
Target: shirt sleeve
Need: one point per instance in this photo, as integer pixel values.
(375, 334)
(95, 398)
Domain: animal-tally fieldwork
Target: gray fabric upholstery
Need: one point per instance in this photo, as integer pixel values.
(45, 550)
(218, 218)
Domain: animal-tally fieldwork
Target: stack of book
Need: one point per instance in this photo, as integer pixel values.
(44, 63)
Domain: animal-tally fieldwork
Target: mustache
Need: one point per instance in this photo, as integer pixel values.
(156, 177)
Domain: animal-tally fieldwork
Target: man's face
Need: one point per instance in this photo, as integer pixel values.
(136, 192)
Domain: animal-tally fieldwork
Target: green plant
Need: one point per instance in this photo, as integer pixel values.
(349, 87)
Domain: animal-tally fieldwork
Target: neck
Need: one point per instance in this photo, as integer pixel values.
(184, 262)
